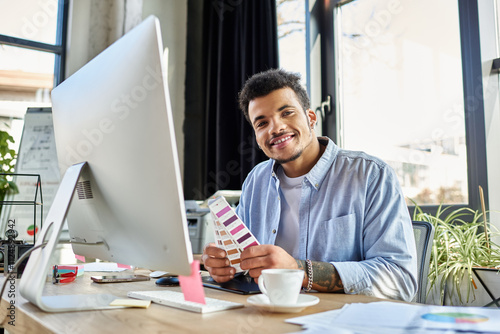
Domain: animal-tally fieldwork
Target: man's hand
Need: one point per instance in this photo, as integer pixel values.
(216, 262)
(257, 258)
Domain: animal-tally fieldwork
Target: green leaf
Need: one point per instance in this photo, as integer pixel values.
(459, 245)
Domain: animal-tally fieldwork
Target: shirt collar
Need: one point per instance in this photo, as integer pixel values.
(317, 174)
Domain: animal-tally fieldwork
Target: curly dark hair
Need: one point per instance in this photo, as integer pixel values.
(263, 83)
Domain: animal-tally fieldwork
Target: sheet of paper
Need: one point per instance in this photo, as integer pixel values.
(317, 322)
(103, 266)
(399, 315)
(191, 286)
(333, 321)
(131, 303)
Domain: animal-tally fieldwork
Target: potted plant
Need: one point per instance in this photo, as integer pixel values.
(7, 165)
(462, 241)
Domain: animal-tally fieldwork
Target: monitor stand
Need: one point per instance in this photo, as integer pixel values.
(38, 266)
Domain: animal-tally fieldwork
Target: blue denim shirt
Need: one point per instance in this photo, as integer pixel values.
(352, 214)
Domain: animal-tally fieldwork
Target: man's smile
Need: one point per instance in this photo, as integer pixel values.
(281, 141)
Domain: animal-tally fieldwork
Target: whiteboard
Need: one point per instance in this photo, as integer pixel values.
(37, 155)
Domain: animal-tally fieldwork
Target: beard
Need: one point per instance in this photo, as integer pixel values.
(295, 155)
(292, 158)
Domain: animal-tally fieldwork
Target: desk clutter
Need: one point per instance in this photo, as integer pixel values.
(64, 274)
(392, 317)
(176, 299)
(231, 234)
(130, 303)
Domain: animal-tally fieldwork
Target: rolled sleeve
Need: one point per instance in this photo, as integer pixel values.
(354, 278)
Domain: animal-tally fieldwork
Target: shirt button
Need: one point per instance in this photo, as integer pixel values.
(316, 185)
(274, 231)
(279, 198)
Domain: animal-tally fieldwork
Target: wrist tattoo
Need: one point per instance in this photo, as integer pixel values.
(301, 264)
(326, 276)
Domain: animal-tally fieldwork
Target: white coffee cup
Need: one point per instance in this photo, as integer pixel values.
(281, 286)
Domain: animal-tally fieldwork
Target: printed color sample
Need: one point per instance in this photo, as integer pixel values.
(231, 234)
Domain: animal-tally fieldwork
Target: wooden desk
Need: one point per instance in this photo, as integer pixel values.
(157, 318)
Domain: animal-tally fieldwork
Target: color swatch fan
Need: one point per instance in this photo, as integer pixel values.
(230, 232)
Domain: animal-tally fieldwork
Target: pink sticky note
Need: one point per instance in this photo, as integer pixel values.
(80, 257)
(119, 265)
(191, 286)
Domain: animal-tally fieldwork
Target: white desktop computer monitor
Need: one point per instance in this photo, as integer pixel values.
(116, 146)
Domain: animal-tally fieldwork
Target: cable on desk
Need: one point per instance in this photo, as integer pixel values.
(83, 243)
(18, 262)
(10, 272)
(27, 253)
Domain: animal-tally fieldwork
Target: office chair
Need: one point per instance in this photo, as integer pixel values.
(424, 234)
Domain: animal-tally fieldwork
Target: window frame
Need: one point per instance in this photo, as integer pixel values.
(58, 49)
(475, 131)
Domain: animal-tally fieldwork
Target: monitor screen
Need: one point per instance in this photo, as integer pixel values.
(121, 190)
(115, 114)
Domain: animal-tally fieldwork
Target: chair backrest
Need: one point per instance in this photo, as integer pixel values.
(424, 234)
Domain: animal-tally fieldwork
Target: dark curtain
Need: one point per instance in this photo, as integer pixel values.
(241, 40)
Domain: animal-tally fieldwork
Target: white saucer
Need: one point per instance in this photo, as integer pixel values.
(261, 301)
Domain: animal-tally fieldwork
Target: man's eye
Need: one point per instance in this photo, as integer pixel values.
(286, 113)
(260, 124)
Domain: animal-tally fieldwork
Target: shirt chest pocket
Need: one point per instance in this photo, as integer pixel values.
(336, 239)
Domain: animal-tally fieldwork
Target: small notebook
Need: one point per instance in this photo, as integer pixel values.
(241, 284)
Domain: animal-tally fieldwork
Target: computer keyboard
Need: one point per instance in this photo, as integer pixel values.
(176, 299)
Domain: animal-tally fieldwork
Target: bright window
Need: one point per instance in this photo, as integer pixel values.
(34, 20)
(400, 93)
(292, 36)
(28, 32)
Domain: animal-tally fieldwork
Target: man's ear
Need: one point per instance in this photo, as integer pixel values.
(311, 116)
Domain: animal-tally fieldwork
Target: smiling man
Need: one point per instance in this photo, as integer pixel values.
(339, 215)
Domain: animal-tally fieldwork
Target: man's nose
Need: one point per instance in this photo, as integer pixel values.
(277, 126)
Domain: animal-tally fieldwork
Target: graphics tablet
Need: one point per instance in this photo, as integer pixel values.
(242, 284)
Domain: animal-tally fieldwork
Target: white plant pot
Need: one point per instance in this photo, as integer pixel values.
(477, 297)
